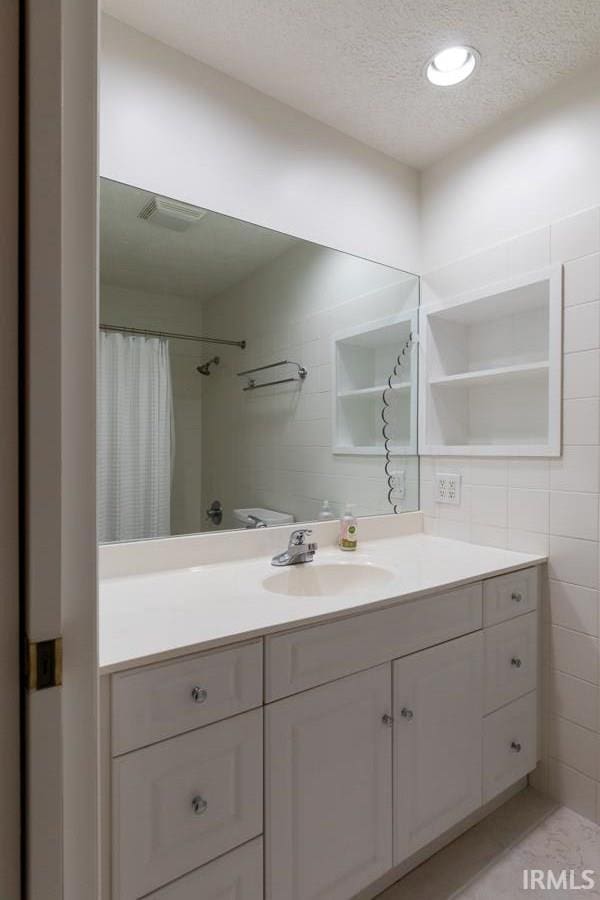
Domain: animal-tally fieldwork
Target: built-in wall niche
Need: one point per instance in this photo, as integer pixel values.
(491, 370)
(364, 358)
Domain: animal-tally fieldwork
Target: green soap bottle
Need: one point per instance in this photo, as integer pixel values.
(348, 530)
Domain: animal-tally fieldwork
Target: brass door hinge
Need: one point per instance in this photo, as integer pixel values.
(43, 664)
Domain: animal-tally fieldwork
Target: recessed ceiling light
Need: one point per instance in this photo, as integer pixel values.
(452, 65)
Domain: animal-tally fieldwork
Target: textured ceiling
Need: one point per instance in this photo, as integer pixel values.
(358, 64)
(210, 257)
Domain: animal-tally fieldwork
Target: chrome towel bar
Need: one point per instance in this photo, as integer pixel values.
(252, 385)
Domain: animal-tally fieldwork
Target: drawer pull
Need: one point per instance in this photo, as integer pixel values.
(516, 662)
(517, 596)
(387, 720)
(199, 805)
(406, 713)
(199, 695)
(515, 747)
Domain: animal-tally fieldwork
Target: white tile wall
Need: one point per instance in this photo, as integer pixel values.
(577, 747)
(528, 510)
(581, 421)
(582, 280)
(574, 607)
(574, 653)
(581, 327)
(581, 375)
(574, 515)
(575, 236)
(529, 251)
(272, 448)
(548, 505)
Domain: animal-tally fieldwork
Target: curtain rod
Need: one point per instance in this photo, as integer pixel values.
(169, 334)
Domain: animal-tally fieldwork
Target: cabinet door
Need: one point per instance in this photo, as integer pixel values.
(329, 790)
(438, 709)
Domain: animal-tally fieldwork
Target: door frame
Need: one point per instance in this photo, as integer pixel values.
(60, 555)
(10, 743)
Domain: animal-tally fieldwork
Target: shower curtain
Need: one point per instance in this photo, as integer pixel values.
(135, 437)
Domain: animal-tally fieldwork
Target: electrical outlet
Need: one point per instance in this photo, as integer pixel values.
(398, 483)
(447, 488)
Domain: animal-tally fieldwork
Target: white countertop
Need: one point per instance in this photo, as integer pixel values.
(148, 617)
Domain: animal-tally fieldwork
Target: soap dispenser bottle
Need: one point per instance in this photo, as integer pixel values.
(326, 513)
(348, 530)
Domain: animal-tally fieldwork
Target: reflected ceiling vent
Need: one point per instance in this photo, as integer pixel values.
(171, 214)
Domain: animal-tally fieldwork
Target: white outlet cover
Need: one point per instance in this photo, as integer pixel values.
(398, 483)
(447, 488)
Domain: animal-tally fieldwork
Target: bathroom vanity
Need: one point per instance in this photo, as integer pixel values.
(309, 737)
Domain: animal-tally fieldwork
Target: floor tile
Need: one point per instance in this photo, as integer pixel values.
(487, 862)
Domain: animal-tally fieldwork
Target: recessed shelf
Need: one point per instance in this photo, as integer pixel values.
(493, 376)
(373, 450)
(491, 370)
(375, 391)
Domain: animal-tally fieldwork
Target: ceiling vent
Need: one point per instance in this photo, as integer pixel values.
(171, 214)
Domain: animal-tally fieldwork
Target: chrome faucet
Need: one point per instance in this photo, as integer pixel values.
(298, 551)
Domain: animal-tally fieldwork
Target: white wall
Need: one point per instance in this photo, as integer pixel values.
(273, 447)
(535, 167)
(538, 171)
(168, 312)
(174, 126)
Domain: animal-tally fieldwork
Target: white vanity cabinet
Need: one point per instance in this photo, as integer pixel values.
(383, 730)
(329, 788)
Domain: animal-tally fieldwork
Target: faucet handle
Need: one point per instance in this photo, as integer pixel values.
(297, 536)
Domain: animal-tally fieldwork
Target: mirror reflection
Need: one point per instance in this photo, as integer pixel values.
(247, 378)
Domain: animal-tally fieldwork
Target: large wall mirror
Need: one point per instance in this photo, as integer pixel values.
(246, 378)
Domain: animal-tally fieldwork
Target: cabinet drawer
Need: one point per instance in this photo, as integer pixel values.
(185, 801)
(312, 656)
(236, 876)
(510, 660)
(509, 595)
(509, 745)
(157, 702)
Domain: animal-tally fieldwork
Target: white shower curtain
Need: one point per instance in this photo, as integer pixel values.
(135, 437)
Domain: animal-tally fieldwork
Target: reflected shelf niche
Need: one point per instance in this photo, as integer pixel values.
(363, 358)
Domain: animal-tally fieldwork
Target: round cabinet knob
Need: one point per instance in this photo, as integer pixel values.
(517, 596)
(516, 662)
(406, 713)
(199, 805)
(199, 695)
(387, 720)
(515, 746)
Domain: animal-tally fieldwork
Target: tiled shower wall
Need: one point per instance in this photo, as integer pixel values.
(273, 448)
(548, 506)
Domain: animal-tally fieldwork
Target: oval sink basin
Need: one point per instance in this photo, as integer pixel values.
(328, 579)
